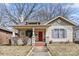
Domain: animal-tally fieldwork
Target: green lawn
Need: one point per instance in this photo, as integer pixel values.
(62, 49)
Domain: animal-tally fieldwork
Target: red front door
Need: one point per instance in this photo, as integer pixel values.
(40, 36)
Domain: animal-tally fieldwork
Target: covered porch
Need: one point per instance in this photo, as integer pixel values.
(32, 33)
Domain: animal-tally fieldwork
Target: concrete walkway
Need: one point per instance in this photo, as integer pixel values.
(40, 51)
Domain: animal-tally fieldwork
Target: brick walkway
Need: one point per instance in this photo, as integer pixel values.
(40, 44)
(40, 51)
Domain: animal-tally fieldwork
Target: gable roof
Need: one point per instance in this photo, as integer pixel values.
(70, 21)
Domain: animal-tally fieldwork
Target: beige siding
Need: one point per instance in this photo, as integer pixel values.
(69, 37)
(76, 35)
(60, 24)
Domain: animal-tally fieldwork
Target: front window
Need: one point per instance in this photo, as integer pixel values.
(59, 33)
(29, 33)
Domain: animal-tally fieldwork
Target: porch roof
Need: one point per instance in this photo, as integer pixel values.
(22, 27)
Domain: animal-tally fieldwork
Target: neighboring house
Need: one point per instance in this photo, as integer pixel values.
(76, 33)
(58, 29)
(5, 36)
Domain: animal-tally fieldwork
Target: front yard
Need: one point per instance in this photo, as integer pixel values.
(62, 49)
(14, 50)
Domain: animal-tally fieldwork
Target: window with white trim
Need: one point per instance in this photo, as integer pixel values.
(59, 33)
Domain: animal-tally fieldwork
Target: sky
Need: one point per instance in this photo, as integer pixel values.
(76, 14)
(75, 6)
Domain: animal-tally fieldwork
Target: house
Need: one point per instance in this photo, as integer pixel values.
(76, 33)
(5, 36)
(58, 29)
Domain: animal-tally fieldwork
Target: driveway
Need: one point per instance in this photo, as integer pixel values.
(40, 51)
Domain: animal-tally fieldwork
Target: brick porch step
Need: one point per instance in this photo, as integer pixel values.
(40, 44)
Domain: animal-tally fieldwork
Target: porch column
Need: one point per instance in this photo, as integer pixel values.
(13, 37)
(13, 33)
(33, 36)
(47, 38)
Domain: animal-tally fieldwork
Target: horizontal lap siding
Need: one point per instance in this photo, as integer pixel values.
(69, 30)
(76, 35)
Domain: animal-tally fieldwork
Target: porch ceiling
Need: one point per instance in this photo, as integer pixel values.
(24, 27)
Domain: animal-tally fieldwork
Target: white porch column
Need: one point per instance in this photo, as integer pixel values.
(13, 33)
(47, 37)
(13, 36)
(33, 37)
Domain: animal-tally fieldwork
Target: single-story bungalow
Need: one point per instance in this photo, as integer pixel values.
(58, 29)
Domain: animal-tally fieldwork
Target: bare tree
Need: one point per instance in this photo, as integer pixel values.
(2, 16)
(20, 12)
(50, 11)
(16, 11)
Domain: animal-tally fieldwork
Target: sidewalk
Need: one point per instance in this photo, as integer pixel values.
(40, 51)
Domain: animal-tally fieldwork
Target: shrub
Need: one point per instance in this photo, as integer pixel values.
(50, 42)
